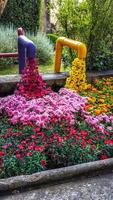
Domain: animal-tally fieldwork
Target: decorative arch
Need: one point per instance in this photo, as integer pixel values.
(62, 41)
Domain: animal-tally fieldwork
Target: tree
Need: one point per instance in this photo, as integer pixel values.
(45, 16)
(22, 13)
(2, 6)
(101, 27)
(73, 18)
(90, 21)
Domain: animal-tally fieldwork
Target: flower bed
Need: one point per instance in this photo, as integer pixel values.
(44, 130)
(100, 96)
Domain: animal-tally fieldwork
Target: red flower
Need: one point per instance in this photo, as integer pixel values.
(43, 163)
(19, 156)
(94, 146)
(83, 143)
(33, 136)
(84, 133)
(72, 131)
(31, 147)
(50, 127)
(109, 142)
(77, 137)
(90, 141)
(1, 153)
(1, 163)
(41, 134)
(29, 153)
(46, 145)
(36, 129)
(23, 142)
(31, 84)
(20, 146)
(103, 156)
(39, 148)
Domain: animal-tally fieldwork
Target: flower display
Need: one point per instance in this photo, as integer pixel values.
(40, 111)
(100, 95)
(77, 78)
(31, 84)
(41, 129)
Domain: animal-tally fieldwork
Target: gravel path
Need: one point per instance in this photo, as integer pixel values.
(92, 188)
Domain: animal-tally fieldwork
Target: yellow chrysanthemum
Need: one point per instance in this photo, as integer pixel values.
(77, 79)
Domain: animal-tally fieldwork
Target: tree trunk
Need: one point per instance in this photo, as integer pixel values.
(45, 17)
(2, 6)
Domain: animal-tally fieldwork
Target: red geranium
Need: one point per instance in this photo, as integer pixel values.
(84, 133)
(29, 153)
(31, 84)
(39, 148)
(1, 153)
(43, 163)
(103, 156)
(109, 142)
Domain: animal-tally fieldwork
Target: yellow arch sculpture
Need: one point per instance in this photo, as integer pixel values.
(62, 41)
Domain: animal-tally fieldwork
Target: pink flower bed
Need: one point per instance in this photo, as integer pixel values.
(40, 111)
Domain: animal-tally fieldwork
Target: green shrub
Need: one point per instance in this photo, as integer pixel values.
(102, 59)
(8, 43)
(68, 55)
(53, 38)
(44, 48)
(22, 13)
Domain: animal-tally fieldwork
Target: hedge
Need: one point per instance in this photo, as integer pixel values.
(22, 13)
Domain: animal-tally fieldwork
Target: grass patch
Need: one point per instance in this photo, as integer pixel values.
(14, 69)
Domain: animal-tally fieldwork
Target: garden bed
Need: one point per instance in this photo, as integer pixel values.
(70, 130)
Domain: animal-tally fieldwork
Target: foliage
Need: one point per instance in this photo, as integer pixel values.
(100, 30)
(19, 157)
(73, 21)
(22, 14)
(44, 48)
(103, 60)
(73, 18)
(91, 22)
(53, 38)
(8, 43)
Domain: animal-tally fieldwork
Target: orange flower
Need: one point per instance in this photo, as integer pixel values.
(100, 92)
(105, 110)
(88, 107)
(94, 89)
(101, 100)
(98, 112)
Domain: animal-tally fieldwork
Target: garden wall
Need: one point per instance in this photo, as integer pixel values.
(8, 82)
